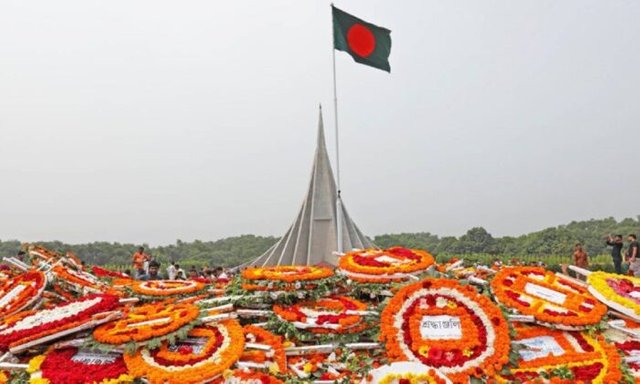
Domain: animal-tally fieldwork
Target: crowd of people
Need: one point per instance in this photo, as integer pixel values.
(631, 258)
(145, 267)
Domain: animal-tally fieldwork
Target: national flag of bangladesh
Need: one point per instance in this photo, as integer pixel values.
(367, 43)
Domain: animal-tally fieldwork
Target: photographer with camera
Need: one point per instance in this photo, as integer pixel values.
(616, 242)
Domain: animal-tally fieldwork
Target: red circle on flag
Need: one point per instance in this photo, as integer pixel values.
(361, 40)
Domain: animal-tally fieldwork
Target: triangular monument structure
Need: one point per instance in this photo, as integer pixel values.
(312, 239)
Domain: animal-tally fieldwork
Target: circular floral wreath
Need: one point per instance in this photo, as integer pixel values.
(384, 265)
(69, 366)
(336, 314)
(31, 325)
(163, 288)
(589, 359)
(218, 347)
(146, 322)
(547, 297)
(20, 292)
(622, 293)
(447, 326)
(288, 273)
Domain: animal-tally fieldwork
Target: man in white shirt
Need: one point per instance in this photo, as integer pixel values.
(171, 271)
(180, 275)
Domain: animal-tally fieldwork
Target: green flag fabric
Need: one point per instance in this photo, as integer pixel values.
(367, 43)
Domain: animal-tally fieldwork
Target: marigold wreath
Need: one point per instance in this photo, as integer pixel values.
(384, 265)
(147, 322)
(203, 356)
(166, 288)
(549, 298)
(335, 314)
(276, 356)
(20, 292)
(543, 351)
(447, 326)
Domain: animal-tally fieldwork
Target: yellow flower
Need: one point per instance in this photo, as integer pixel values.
(452, 304)
(424, 350)
(467, 353)
(308, 368)
(38, 380)
(273, 368)
(35, 363)
(124, 378)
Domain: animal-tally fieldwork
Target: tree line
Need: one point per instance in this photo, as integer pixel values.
(558, 240)
(236, 250)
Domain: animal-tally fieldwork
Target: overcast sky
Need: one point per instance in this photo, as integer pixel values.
(151, 121)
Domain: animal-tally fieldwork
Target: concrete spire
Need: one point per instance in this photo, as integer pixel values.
(312, 238)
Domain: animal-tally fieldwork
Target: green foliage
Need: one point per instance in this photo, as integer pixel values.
(553, 246)
(227, 252)
(547, 242)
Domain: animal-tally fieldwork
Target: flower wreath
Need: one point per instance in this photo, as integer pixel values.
(335, 314)
(276, 355)
(411, 378)
(31, 325)
(631, 348)
(547, 297)
(405, 373)
(287, 278)
(164, 288)
(37, 252)
(106, 273)
(204, 355)
(287, 273)
(621, 293)
(543, 351)
(247, 376)
(78, 278)
(73, 366)
(20, 292)
(447, 326)
(383, 266)
(317, 365)
(147, 322)
(340, 366)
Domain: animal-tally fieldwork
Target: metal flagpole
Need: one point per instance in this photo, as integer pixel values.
(335, 114)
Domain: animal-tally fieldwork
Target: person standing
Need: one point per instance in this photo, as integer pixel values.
(180, 275)
(633, 255)
(171, 271)
(139, 259)
(615, 242)
(580, 257)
